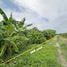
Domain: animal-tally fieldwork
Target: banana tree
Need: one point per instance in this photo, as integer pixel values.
(10, 31)
(6, 29)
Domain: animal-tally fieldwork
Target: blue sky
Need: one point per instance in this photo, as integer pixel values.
(43, 14)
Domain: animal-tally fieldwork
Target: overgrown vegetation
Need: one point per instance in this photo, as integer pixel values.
(15, 37)
(64, 35)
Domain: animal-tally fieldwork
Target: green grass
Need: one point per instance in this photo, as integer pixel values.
(46, 57)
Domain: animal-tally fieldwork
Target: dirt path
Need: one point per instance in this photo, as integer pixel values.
(61, 56)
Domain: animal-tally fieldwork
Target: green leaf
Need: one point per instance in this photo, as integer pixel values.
(3, 50)
(3, 14)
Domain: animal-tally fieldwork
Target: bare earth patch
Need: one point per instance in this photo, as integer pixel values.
(61, 55)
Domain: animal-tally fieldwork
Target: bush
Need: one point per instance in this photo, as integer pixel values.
(21, 42)
(35, 36)
(49, 33)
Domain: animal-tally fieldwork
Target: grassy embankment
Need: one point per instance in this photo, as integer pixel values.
(45, 57)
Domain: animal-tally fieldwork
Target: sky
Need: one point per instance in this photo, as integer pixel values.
(43, 14)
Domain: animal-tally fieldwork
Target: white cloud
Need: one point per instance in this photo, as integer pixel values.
(31, 16)
(45, 8)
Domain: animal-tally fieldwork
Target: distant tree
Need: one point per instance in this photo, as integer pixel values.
(49, 33)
